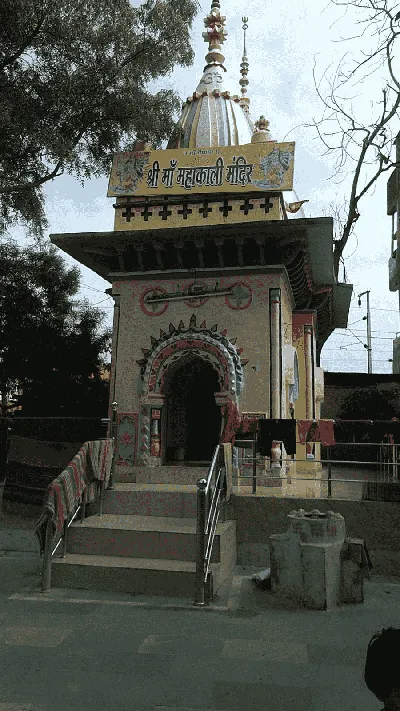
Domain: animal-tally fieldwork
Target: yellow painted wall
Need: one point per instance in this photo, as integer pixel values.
(300, 320)
(250, 326)
(136, 221)
(286, 311)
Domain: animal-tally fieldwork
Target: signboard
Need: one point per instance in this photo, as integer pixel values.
(232, 169)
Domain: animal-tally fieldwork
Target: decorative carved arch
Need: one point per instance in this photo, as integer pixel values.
(208, 344)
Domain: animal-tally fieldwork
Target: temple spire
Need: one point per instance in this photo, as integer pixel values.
(215, 35)
(244, 68)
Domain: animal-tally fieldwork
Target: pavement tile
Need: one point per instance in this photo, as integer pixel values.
(179, 645)
(163, 687)
(268, 671)
(49, 607)
(336, 698)
(33, 636)
(66, 688)
(345, 655)
(262, 649)
(237, 696)
(95, 644)
(181, 708)
(65, 659)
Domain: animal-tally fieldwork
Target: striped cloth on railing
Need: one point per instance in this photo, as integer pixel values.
(91, 464)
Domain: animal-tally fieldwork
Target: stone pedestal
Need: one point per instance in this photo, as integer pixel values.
(306, 560)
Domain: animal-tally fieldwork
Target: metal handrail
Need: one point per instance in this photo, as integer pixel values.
(48, 553)
(208, 513)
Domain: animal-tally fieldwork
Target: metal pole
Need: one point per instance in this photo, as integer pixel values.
(101, 497)
(199, 599)
(114, 406)
(254, 462)
(83, 506)
(329, 474)
(46, 570)
(369, 341)
(64, 543)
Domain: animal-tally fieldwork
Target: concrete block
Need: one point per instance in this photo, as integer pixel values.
(314, 564)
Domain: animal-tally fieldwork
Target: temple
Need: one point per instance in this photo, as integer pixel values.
(224, 296)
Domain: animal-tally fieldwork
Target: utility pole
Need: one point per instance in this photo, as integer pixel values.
(368, 319)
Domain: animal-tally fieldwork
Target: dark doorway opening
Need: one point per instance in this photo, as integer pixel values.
(193, 419)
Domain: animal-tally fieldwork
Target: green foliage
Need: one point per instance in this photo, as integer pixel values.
(74, 78)
(371, 404)
(51, 346)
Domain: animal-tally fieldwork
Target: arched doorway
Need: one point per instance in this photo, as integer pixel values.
(192, 420)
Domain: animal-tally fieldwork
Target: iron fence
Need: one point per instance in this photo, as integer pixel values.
(374, 478)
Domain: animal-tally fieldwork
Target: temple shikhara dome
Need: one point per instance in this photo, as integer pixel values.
(212, 116)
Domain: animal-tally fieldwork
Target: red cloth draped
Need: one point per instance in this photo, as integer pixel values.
(248, 424)
(313, 431)
(232, 422)
(91, 464)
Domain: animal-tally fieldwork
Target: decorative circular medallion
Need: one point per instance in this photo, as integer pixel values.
(240, 297)
(155, 309)
(201, 299)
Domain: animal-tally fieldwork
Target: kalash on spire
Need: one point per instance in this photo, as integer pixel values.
(203, 155)
(212, 116)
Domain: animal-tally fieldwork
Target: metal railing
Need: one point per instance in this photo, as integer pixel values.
(49, 541)
(209, 501)
(49, 551)
(254, 459)
(386, 465)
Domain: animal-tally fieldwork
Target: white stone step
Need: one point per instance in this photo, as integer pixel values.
(146, 576)
(162, 537)
(176, 500)
(160, 475)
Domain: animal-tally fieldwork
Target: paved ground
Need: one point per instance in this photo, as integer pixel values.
(70, 650)
(73, 649)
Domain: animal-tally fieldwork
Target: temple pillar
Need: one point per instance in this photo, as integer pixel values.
(309, 363)
(275, 372)
(113, 376)
(155, 403)
(275, 353)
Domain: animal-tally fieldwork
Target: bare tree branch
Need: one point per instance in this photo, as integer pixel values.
(343, 141)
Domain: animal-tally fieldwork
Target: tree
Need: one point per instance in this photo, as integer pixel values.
(370, 403)
(74, 88)
(361, 141)
(51, 346)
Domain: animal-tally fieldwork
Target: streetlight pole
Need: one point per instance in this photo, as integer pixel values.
(369, 339)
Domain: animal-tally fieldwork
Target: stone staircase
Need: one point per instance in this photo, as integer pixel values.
(145, 541)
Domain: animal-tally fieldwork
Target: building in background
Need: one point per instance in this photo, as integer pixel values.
(222, 302)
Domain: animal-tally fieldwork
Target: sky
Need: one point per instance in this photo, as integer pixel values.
(284, 41)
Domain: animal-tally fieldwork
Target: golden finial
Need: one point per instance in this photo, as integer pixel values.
(261, 133)
(244, 69)
(215, 34)
(262, 124)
